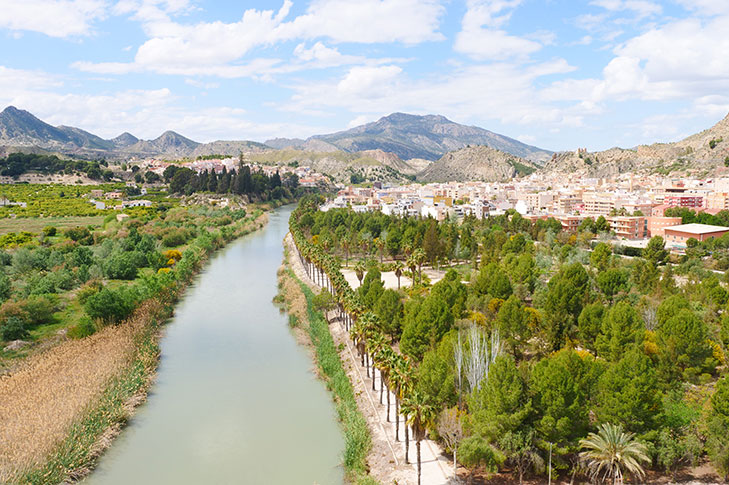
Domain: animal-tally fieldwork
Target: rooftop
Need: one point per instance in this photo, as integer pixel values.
(697, 228)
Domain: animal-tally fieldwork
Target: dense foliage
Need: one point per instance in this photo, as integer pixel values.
(17, 164)
(85, 277)
(541, 338)
(241, 182)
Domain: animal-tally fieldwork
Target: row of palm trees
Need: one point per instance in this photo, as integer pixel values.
(396, 372)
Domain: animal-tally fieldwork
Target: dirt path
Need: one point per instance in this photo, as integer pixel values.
(387, 457)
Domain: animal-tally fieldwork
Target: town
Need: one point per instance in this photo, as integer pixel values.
(634, 207)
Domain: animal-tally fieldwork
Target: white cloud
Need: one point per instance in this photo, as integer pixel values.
(360, 120)
(481, 38)
(218, 48)
(368, 82)
(18, 80)
(706, 7)
(494, 91)
(367, 21)
(641, 8)
(54, 18)
(682, 60)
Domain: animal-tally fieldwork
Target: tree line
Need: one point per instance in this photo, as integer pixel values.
(242, 181)
(17, 164)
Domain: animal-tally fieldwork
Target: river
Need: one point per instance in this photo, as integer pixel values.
(235, 401)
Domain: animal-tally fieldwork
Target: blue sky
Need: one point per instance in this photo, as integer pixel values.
(559, 74)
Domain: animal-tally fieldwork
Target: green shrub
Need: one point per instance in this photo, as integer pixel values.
(49, 231)
(13, 328)
(82, 255)
(121, 266)
(90, 288)
(5, 287)
(64, 279)
(41, 284)
(176, 237)
(83, 328)
(111, 305)
(78, 233)
(40, 308)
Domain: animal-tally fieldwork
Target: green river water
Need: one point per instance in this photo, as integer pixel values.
(235, 401)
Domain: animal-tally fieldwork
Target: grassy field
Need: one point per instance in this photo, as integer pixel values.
(36, 224)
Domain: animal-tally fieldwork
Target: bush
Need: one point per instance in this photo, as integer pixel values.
(82, 255)
(64, 279)
(5, 287)
(87, 290)
(475, 452)
(13, 328)
(121, 266)
(83, 328)
(172, 254)
(40, 308)
(41, 285)
(11, 309)
(49, 231)
(78, 233)
(111, 305)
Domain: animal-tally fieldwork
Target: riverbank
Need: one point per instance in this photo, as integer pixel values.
(311, 330)
(62, 408)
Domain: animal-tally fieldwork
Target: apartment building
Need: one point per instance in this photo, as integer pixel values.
(629, 227)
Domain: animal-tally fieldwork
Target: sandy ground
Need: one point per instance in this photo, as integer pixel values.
(390, 280)
(387, 457)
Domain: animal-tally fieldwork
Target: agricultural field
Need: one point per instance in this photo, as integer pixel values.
(36, 224)
(52, 200)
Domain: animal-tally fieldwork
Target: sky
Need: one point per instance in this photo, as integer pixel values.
(558, 74)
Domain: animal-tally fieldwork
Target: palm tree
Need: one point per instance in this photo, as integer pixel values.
(407, 248)
(420, 416)
(380, 244)
(412, 264)
(387, 364)
(612, 452)
(420, 257)
(359, 270)
(344, 244)
(398, 271)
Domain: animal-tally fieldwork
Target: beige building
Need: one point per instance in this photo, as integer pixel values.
(718, 200)
(657, 225)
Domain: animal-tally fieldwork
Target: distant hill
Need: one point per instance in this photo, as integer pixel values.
(22, 131)
(372, 165)
(477, 163)
(124, 140)
(702, 152)
(427, 137)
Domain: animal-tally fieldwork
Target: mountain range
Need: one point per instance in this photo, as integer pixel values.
(407, 136)
(21, 130)
(410, 136)
(394, 148)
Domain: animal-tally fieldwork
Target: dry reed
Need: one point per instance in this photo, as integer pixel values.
(41, 400)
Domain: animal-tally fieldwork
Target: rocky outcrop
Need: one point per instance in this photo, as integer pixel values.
(476, 163)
